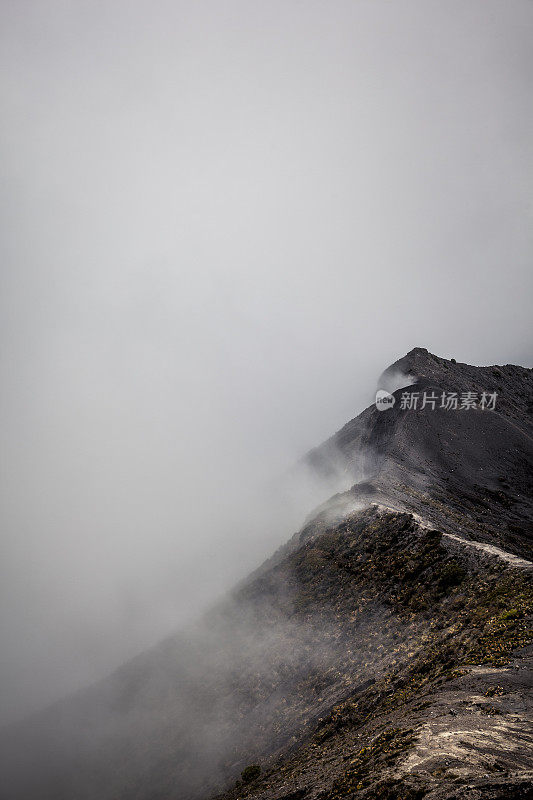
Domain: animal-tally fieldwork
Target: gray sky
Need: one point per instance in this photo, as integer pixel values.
(221, 221)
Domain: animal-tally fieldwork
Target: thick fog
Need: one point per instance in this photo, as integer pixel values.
(221, 222)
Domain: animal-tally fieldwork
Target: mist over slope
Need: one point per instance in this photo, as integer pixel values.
(381, 652)
(467, 468)
(222, 219)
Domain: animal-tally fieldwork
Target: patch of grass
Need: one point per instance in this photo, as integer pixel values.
(513, 613)
(495, 691)
(501, 633)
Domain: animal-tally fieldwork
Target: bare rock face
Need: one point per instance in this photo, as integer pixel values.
(384, 652)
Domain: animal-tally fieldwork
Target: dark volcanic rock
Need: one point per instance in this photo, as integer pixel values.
(467, 471)
(384, 652)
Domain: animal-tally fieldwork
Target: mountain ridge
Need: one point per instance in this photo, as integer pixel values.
(383, 652)
(397, 454)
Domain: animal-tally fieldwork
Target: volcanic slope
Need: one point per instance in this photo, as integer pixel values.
(383, 652)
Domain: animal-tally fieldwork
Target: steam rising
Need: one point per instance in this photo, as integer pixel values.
(236, 685)
(396, 379)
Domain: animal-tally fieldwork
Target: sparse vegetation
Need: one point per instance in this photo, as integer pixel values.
(250, 773)
(384, 750)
